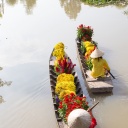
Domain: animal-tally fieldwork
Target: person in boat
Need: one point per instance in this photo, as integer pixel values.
(100, 65)
(80, 118)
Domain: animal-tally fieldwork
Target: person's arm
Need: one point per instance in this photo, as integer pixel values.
(93, 122)
(90, 112)
(106, 66)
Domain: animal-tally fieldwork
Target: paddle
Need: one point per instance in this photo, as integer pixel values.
(93, 106)
(111, 74)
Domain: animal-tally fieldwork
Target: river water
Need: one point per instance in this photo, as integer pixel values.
(29, 29)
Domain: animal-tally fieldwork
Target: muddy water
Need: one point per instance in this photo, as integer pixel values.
(28, 32)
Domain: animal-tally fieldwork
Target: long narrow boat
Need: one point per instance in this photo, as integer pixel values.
(93, 85)
(53, 78)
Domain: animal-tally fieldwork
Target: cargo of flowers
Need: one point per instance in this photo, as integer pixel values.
(65, 85)
(62, 64)
(68, 100)
(84, 35)
(69, 103)
(65, 88)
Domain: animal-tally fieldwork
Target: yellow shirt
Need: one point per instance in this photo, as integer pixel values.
(99, 67)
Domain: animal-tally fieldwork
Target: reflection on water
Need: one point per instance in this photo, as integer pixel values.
(12, 2)
(126, 12)
(3, 83)
(28, 103)
(1, 99)
(1, 8)
(28, 4)
(102, 3)
(71, 7)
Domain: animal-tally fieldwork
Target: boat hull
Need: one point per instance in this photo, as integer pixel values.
(53, 78)
(94, 85)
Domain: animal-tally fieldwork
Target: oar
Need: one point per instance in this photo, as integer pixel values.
(93, 106)
(111, 74)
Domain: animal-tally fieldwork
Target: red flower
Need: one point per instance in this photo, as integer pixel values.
(66, 100)
(72, 94)
(71, 102)
(81, 26)
(57, 69)
(60, 105)
(84, 33)
(64, 66)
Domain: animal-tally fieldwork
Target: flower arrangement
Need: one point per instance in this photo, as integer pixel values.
(64, 93)
(84, 33)
(89, 63)
(59, 45)
(65, 88)
(65, 77)
(65, 85)
(64, 65)
(69, 103)
(59, 53)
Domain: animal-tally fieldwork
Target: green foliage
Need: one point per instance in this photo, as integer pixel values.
(89, 64)
(83, 50)
(105, 2)
(84, 32)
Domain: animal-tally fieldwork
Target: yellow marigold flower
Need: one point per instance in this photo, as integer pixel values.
(65, 85)
(90, 49)
(59, 53)
(59, 45)
(88, 44)
(60, 57)
(64, 93)
(65, 77)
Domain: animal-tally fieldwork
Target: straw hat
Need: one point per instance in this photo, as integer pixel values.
(79, 118)
(96, 53)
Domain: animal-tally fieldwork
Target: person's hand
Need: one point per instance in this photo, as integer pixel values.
(90, 112)
(107, 72)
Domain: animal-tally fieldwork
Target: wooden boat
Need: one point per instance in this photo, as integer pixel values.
(53, 77)
(93, 85)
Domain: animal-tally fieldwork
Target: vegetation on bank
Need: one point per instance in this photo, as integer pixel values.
(118, 3)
